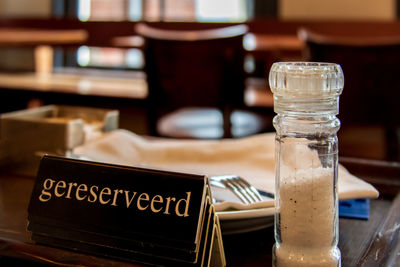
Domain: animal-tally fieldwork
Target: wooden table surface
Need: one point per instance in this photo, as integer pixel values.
(80, 84)
(373, 242)
(25, 36)
(130, 85)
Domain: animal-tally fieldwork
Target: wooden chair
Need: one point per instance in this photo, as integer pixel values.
(196, 82)
(370, 63)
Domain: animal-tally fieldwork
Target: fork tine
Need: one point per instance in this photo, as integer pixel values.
(251, 189)
(242, 190)
(240, 187)
(235, 190)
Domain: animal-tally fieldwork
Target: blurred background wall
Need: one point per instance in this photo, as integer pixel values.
(337, 10)
(26, 8)
(212, 9)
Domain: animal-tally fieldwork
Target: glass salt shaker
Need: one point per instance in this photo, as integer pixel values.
(306, 100)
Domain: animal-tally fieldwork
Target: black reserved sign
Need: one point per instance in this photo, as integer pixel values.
(95, 206)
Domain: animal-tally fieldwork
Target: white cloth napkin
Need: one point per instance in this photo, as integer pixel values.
(252, 158)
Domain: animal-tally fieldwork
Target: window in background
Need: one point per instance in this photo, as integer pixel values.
(178, 10)
(84, 10)
(109, 10)
(105, 10)
(152, 10)
(107, 57)
(164, 10)
(221, 10)
(135, 10)
(203, 10)
(149, 10)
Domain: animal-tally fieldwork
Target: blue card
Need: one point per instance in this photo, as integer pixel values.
(355, 208)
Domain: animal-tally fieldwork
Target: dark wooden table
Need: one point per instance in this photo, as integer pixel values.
(373, 242)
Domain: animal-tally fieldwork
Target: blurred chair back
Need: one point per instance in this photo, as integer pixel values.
(198, 69)
(371, 67)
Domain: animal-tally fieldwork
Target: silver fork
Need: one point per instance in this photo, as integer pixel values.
(239, 186)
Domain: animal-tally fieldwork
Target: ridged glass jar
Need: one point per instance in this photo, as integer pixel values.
(306, 100)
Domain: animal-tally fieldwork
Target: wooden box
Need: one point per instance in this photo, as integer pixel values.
(26, 135)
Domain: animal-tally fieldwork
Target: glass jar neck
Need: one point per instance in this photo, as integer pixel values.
(306, 106)
(306, 125)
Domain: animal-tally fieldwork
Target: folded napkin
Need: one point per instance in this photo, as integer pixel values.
(252, 158)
